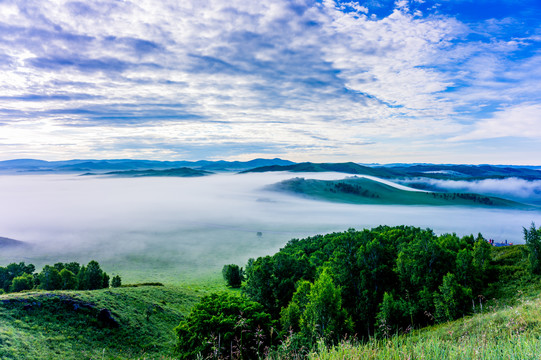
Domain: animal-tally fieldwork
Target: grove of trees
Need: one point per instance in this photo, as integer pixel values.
(60, 276)
(365, 283)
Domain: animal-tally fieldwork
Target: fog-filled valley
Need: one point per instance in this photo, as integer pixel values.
(180, 229)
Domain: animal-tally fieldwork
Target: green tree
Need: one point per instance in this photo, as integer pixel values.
(324, 317)
(532, 237)
(68, 279)
(49, 278)
(105, 281)
(452, 299)
(93, 277)
(23, 282)
(116, 281)
(233, 275)
(389, 316)
(224, 326)
(8, 273)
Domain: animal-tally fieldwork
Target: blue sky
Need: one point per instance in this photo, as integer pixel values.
(367, 81)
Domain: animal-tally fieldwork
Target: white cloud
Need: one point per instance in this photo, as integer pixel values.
(213, 73)
(517, 121)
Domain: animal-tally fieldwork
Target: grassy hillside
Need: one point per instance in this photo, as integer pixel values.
(506, 324)
(66, 325)
(510, 333)
(366, 191)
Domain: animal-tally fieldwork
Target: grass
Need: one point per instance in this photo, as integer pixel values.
(508, 333)
(64, 324)
(367, 191)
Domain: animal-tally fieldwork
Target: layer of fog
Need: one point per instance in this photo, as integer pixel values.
(182, 227)
(528, 191)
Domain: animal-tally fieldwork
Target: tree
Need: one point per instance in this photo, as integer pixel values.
(116, 281)
(105, 281)
(49, 278)
(8, 273)
(92, 277)
(532, 237)
(324, 317)
(23, 282)
(452, 299)
(224, 326)
(233, 275)
(68, 279)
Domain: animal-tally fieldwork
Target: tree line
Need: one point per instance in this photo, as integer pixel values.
(60, 276)
(365, 283)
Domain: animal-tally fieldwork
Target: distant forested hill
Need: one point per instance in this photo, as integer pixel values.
(367, 191)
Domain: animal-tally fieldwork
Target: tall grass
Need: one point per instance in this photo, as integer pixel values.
(511, 333)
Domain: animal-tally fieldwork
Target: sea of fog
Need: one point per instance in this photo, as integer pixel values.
(184, 227)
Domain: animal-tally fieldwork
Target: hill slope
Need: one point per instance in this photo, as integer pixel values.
(348, 168)
(366, 191)
(177, 172)
(66, 325)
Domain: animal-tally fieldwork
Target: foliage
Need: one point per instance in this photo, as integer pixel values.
(532, 238)
(233, 275)
(49, 278)
(116, 281)
(23, 282)
(507, 333)
(68, 279)
(386, 280)
(226, 326)
(13, 270)
(324, 317)
(69, 276)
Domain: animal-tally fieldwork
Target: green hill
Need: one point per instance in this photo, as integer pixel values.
(177, 172)
(367, 191)
(348, 168)
(67, 325)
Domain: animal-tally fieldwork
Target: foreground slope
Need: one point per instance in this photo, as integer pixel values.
(68, 324)
(510, 333)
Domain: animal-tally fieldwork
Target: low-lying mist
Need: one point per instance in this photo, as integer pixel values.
(175, 229)
(528, 191)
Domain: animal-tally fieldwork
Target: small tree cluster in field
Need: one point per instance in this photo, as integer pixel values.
(60, 276)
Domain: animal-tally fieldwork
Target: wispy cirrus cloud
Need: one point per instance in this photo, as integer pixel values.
(309, 78)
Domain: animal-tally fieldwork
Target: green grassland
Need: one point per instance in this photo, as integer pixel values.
(495, 332)
(65, 325)
(366, 191)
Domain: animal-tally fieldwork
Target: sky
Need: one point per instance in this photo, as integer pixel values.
(448, 81)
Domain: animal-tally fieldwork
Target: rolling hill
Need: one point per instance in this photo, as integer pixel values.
(177, 172)
(366, 191)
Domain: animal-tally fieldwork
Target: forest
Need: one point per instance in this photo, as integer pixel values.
(353, 284)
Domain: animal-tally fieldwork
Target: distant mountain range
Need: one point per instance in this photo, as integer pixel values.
(10, 243)
(102, 166)
(450, 172)
(169, 168)
(177, 172)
